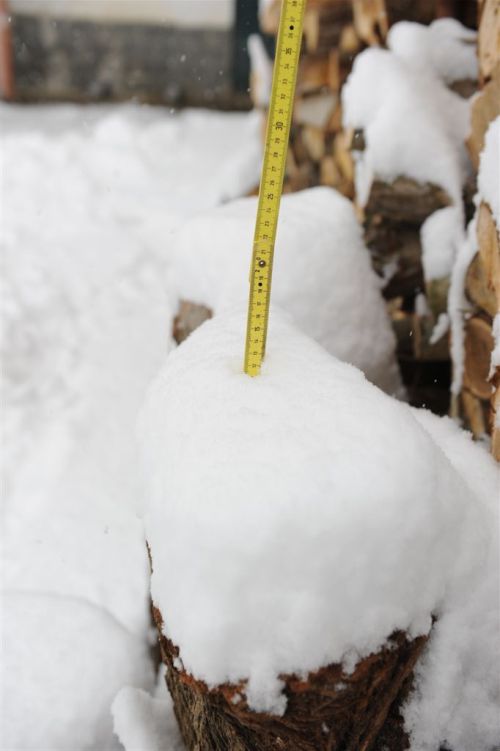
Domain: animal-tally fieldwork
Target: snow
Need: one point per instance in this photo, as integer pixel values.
(91, 196)
(261, 70)
(441, 328)
(322, 274)
(145, 722)
(458, 679)
(488, 178)
(445, 48)
(458, 305)
(63, 662)
(320, 518)
(413, 124)
(440, 236)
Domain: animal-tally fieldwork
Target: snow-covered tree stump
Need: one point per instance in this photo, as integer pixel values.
(329, 711)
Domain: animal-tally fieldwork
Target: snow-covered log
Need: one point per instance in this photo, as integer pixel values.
(308, 534)
(327, 710)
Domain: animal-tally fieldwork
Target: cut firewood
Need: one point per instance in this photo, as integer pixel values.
(328, 710)
(314, 141)
(189, 316)
(314, 74)
(489, 39)
(489, 250)
(474, 412)
(477, 289)
(405, 200)
(420, 11)
(370, 21)
(334, 76)
(485, 108)
(329, 172)
(478, 348)
(350, 43)
(269, 16)
(323, 25)
(315, 110)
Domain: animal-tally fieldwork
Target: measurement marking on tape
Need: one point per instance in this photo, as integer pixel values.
(286, 64)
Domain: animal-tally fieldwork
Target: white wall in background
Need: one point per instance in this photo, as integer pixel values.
(191, 13)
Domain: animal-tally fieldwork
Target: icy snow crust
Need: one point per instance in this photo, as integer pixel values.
(304, 514)
(413, 124)
(322, 274)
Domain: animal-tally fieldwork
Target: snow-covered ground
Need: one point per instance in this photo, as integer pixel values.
(90, 198)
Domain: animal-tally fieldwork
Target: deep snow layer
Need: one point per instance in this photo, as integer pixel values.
(322, 274)
(90, 198)
(321, 516)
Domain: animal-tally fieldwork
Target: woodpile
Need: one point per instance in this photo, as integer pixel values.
(329, 710)
(479, 402)
(318, 154)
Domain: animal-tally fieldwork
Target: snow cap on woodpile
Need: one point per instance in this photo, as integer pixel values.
(295, 519)
(445, 48)
(322, 274)
(413, 125)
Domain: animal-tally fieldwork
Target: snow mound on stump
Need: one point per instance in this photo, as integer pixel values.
(322, 274)
(296, 519)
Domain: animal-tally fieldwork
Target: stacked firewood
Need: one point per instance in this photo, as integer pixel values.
(479, 403)
(335, 31)
(317, 153)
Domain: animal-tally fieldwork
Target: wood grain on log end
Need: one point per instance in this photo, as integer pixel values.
(328, 711)
(478, 348)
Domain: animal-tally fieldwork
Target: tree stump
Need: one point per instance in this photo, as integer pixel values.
(328, 711)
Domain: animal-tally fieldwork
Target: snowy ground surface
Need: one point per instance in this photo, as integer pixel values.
(90, 198)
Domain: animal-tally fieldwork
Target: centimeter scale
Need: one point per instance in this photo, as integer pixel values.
(286, 63)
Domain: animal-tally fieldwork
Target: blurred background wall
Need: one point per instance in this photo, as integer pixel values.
(171, 52)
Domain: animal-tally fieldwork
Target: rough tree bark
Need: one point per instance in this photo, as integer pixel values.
(328, 711)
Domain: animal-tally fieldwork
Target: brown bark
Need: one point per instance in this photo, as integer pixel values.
(328, 711)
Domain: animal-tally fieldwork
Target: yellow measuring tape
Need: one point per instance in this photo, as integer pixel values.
(286, 63)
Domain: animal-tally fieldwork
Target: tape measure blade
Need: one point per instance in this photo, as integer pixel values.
(271, 185)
